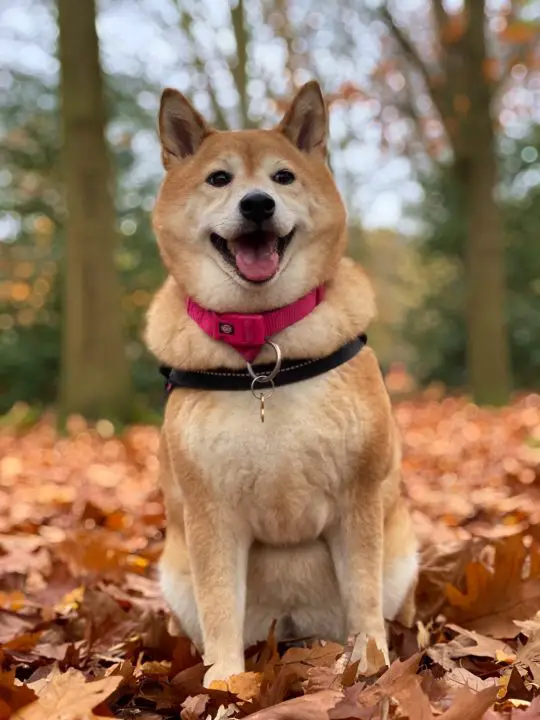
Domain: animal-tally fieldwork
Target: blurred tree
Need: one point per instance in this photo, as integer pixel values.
(461, 75)
(206, 60)
(280, 43)
(95, 378)
(436, 326)
(31, 207)
(32, 250)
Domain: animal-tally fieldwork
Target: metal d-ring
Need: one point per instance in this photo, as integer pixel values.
(267, 377)
(263, 392)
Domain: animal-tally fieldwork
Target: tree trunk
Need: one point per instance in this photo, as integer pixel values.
(95, 379)
(487, 341)
(239, 71)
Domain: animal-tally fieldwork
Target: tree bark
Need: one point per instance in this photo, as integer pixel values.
(239, 71)
(487, 340)
(95, 379)
(463, 99)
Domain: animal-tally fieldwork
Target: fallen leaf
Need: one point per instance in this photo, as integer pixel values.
(246, 685)
(308, 707)
(69, 697)
(13, 697)
(472, 706)
(496, 598)
(529, 656)
(441, 565)
(374, 660)
(82, 525)
(460, 677)
(193, 707)
(412, 701)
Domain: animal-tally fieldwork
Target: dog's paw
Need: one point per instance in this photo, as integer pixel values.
(217, 675)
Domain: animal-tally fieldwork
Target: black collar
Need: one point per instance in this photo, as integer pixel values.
(292, 371)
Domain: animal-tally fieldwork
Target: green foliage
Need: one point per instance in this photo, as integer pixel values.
(31, 204)
(436, 327)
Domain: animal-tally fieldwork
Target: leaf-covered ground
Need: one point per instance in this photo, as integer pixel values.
(83, 630)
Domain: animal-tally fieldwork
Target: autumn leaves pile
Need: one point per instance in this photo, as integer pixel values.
(83, 632)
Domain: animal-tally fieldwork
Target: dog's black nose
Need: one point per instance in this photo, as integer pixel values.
(257, 206)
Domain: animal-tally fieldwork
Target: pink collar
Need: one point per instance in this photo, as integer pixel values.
(247, 333)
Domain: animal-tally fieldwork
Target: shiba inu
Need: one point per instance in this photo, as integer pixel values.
(297, 519)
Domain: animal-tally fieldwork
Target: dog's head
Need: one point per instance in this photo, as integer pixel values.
(248, 220)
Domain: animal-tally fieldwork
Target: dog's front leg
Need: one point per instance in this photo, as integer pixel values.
(356, 544)
(218, 555)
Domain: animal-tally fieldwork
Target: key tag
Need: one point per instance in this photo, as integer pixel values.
(258, 382)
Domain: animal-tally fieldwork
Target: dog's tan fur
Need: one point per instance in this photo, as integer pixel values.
(299, 519)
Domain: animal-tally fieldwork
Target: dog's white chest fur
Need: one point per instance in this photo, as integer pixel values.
(284, 475)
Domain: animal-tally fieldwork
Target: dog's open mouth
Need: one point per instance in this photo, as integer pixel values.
(256, 255)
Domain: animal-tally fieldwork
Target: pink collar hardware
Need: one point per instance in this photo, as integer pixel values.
(247, 333)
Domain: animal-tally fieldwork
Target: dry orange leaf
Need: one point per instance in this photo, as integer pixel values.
(81, 528)
(246, 685)
(495, 598)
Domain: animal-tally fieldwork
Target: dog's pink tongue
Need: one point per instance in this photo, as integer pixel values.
(257, 262)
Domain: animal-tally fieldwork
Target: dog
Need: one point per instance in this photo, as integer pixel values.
(298, 519)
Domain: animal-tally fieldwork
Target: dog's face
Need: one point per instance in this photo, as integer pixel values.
(248, 220)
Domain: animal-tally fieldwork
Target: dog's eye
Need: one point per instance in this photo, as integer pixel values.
(220, 178)
(283, 177)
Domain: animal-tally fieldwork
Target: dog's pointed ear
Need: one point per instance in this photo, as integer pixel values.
(306, 121)
(181, 128)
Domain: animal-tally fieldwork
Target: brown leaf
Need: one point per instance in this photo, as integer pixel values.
(441, 564)
(460, 677)
(308, 707)
(495, 598)
(24, 642)
(13, 697)
(475, 644)
(99, 552)
(321, 678)
(399, 670)
(42, 677)
(470, 705)
(529, 656)
(69, 697)
(193, 707)
(412, 700)
(471, 476)
(317, 656)
(469, 644)
(516, 688)
(360, 700)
